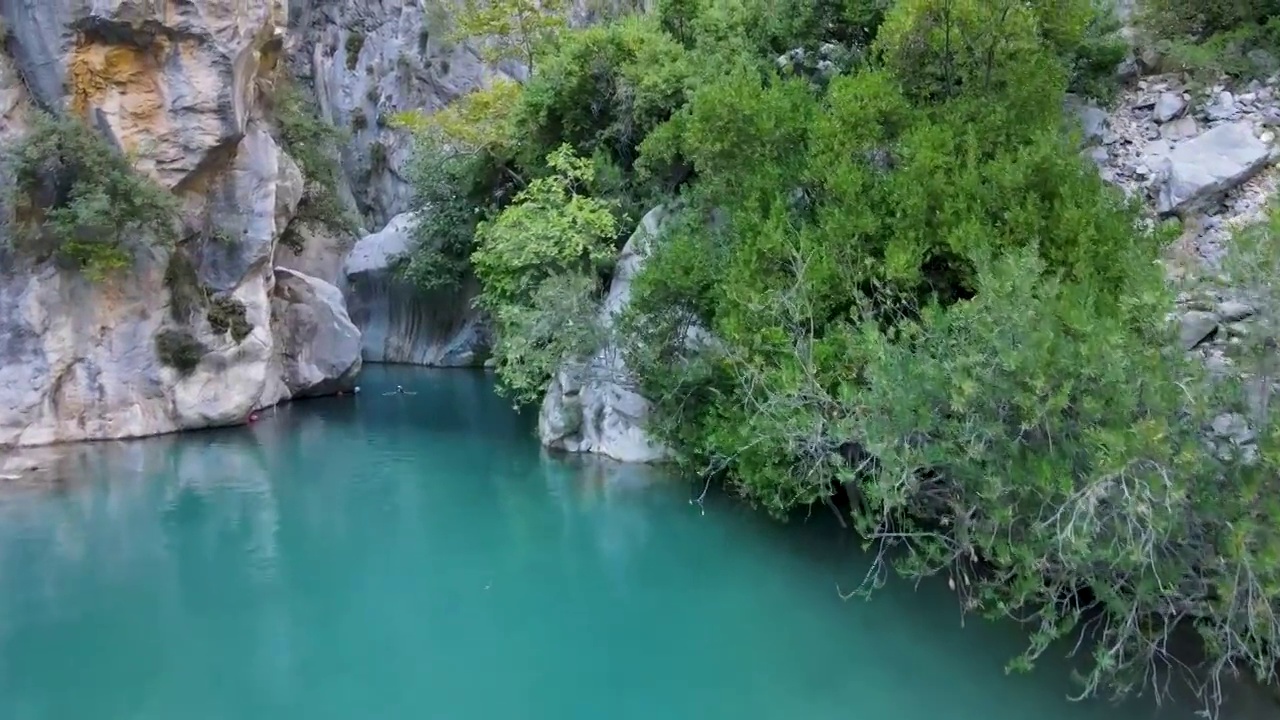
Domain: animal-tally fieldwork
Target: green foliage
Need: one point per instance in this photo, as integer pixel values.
(542, 254)
(179, 349)
(477, 122)
(511, 29)
(312, 142)
(558, 323)
(1210, 38)
(1201, 19)
(1032, 444)
(889, 274)
(456, 192)
(602, 92)
(549, 228)
(1245, 51)
(74, 196)
(227, 314)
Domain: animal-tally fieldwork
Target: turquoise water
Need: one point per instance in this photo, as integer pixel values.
(420, 557)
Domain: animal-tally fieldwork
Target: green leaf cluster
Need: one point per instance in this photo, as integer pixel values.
(538, 254)
(77, 198)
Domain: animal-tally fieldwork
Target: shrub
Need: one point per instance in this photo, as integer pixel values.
(479, 121)
(511, 29)
(549, 228)
(227, 314)
(456, 192)
(186, 294)
(179, 350)
(1246, 51)
(1214, 37)
(911, 266)
(1201, 19)
(558, 323)
(76, 197)
(542, 255)
(604, 89)
(354, 44)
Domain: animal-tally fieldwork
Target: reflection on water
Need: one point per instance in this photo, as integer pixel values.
(420, 557)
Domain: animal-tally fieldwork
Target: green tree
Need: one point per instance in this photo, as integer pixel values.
(542, 254)
(76, 197)
(549, 227)
(511, 29)
(456, 191)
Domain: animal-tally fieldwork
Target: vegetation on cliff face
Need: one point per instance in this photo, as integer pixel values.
(922, 298)
(312, 142)
(1214, 37)
(75, 197)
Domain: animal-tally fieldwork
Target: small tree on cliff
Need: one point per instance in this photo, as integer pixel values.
(511, 29)
(77, 198)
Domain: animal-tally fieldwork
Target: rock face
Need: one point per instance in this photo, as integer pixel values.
(170, 81)
(368, 61)
(590, 406)
(181, 86)
(398, 323)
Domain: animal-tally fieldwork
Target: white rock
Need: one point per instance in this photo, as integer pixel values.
(319, 345)
(590, 406)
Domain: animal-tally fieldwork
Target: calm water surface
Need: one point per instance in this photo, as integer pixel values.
(420, 557)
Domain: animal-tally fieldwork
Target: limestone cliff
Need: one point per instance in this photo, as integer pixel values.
(367, 61)
(184, 88)
(400, 324)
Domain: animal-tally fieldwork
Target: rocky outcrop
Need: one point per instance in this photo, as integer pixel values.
(591, 406)
(172, 82)
(1204, 158)
(181, 87)
(319, 345)
(399, 323)
(1198, 172)
(1200, 157)
(368, 61)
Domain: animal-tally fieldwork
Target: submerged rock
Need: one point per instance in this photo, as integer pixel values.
(398, 322)
(591, 407)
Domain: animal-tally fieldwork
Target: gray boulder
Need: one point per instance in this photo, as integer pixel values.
(319, 346)
(1169, 106)
(1201, 170)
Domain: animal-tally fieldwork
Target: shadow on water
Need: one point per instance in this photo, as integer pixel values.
(387, 556)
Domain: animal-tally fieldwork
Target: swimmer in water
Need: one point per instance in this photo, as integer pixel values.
(400, 391)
